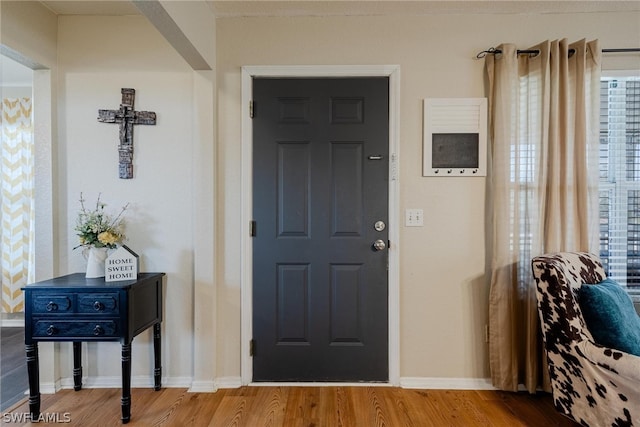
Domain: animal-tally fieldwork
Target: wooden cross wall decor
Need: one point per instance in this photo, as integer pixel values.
(126, 117)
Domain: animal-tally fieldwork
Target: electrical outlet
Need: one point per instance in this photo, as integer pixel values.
(414, 218)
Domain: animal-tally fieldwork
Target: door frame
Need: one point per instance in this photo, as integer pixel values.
(246, 245)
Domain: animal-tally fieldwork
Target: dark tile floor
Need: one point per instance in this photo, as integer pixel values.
(13, 367)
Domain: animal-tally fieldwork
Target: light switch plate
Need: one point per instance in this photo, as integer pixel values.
(414, 218)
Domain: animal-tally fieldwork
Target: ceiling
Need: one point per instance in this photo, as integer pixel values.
(233, 8)
(15, 74)
(92, 7)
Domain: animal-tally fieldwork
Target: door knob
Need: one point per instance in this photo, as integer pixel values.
(379, 245)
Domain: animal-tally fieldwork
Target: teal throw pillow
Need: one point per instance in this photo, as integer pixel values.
(610, 316)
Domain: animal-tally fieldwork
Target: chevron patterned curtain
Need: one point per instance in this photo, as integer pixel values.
(16, 201)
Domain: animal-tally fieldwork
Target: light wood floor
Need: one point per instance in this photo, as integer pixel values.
(298, 406)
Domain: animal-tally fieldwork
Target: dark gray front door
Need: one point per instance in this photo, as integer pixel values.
(320, 185)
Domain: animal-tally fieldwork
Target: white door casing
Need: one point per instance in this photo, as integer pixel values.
(246, 279)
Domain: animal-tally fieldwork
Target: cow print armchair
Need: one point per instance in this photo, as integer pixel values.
(593, 384)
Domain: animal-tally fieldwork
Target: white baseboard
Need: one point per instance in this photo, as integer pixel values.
(174, 382)
(138, 381)
(12, 323)
(50, 388)
(203, 387)
(146, 381)
(405, 382)
(228, 382)
(447, 383)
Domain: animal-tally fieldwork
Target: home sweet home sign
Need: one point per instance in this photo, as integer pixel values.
(122, 264)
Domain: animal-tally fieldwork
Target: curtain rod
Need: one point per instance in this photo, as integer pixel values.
(494, 51)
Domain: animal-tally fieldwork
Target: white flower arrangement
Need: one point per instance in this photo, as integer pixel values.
(98, 229)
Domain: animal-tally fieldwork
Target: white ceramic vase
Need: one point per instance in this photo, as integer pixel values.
(95, 262)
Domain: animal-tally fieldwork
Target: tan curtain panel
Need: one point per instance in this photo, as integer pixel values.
(543, 130)
(16, 201)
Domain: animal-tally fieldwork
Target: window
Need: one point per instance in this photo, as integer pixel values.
(620, 178)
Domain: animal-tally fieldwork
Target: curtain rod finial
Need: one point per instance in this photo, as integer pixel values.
(490, 51)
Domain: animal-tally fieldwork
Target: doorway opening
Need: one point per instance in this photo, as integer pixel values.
(17, 196)
(16, 229)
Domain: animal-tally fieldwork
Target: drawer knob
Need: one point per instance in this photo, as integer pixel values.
(52, 306)
(51, 330)
(98, 330)
(98, 306)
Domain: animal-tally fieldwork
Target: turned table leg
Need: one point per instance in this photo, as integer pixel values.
(157, 371)
(77, 365)
(34, 379)
(126, 383)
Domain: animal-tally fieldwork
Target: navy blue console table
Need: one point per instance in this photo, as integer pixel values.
(76, 309)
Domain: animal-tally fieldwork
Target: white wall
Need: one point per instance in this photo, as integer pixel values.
(29, 36)
(30, 29)
(443, 267)
(443, 277)
(97, 57)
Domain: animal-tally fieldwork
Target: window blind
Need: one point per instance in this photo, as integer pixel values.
(620, 178)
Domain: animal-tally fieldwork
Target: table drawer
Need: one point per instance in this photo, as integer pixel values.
(52, 303)
(84, 303)
(98, 303)
(74, 329)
